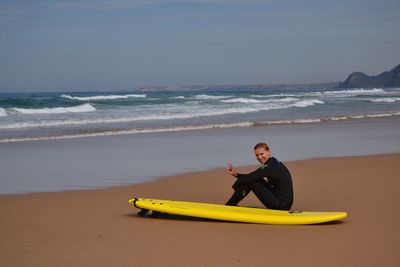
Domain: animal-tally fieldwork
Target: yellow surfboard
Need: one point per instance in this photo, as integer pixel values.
(235, 214)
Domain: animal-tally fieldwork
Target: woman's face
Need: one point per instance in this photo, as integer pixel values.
(262, 155)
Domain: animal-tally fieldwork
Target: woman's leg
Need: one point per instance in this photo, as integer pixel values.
(262, 191)
(266, 196)
(239, 194)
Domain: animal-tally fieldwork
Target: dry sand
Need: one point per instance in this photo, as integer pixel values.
(100, 228)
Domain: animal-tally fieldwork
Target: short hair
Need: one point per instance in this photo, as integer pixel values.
(261, 145)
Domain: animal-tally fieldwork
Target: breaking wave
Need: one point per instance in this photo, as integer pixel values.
(385, 100)
(103, 97)
(58, 110)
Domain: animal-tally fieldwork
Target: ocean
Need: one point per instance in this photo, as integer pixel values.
(65, 115)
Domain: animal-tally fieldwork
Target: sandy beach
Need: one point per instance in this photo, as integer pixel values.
(100, 228)
(102, 102)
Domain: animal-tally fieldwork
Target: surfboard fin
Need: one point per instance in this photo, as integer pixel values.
(143, 212)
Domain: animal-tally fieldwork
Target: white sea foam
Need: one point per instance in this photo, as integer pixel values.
(385, 100)
(341, 118)
(362, 116)
(255, 101)
(379, 115)
(243, 100)
(103, 97)
(283, 100)
(334, 93)
(3, 112)
(284, 95)
(307, 103)
(298, 121)
(59, 110)
(211, 97)
(353, 92)
(272, 104)
(261, 96)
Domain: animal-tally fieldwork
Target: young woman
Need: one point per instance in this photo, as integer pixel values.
(271, 183)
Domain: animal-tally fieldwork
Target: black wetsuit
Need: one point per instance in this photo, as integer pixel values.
(275, 193)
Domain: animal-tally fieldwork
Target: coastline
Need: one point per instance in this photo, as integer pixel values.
(99, 227)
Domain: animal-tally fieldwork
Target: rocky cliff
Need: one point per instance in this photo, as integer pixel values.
(385, 79)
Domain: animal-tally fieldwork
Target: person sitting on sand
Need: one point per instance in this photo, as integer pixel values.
(275, 193)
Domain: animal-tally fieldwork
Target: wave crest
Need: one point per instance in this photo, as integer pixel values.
(358, 91)
(255, 101)
(59, 110)
(307, 103)
(386, 99)
(103, 97)
(211, 97)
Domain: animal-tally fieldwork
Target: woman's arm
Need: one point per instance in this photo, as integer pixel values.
(244, 179)
(231, 170)
(264, 171)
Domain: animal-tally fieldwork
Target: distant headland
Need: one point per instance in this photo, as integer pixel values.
(237, 87)
(354, 80)
(361, 80)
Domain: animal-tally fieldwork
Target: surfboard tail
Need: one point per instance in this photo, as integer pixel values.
(133, 201)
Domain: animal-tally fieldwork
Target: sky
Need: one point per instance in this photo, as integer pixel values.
(86, 45)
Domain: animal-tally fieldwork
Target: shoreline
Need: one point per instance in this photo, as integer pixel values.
(99, 162)
(221, 170)
(99, 227)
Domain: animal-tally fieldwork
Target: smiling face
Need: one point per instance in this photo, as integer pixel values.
(262, 155)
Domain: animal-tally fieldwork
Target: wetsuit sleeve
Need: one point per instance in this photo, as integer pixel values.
(244, 179)
(264, 171)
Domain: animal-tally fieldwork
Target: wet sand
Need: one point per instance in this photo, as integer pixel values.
(98, 162)
(100, 228)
